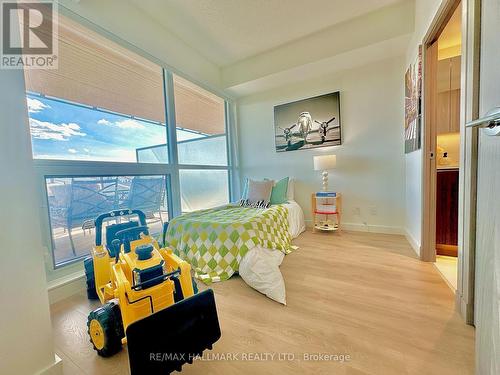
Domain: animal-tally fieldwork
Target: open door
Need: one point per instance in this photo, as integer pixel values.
(428, 253)
(487, 261)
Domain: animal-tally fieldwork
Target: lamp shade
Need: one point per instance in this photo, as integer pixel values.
(325, 162)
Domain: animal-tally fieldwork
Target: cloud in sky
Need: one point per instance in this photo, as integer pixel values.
(122, 124)
(56, 132)
(35, 105)
(59, 129)
(129, 124)
(103, 121)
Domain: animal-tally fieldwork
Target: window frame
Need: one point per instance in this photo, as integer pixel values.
(80, 168)
(60, 265)
(173, 151)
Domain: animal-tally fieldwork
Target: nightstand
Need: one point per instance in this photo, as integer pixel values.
(326, 210)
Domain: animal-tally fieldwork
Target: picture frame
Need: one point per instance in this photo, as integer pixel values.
(308, 123)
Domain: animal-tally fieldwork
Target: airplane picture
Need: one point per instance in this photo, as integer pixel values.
(308, 131)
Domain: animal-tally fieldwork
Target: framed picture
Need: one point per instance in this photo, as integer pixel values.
(413, 104)
(308, 123)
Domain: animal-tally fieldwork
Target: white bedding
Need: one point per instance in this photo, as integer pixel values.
(259, 268)
(295, 218)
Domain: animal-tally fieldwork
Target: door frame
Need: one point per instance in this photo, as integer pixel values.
(469, 99)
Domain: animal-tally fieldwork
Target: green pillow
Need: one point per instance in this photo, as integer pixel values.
(279, 192)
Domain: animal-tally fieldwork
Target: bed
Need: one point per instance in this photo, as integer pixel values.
(222, 241)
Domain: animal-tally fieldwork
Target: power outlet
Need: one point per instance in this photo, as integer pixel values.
(356, 211)
(373, 210)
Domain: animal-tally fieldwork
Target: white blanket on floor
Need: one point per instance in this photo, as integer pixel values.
(259, 268)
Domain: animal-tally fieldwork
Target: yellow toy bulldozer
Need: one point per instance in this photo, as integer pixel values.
(149, 299)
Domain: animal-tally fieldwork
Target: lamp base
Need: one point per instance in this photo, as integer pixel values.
(325, 180)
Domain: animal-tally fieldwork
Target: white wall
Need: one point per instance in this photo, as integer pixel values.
(425, 11)
(25, 331)
(413, 195)
(370, 162)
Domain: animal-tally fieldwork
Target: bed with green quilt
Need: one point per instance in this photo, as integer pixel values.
(216, 241)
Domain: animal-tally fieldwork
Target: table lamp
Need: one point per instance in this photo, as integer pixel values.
(324, 163)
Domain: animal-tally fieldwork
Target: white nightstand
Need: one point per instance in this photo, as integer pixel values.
(326, 210)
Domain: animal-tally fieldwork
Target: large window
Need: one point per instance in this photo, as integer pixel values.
(75, 202)
(68, 131)
(103, 103)
(201, 141)
(201, 125)
(203, 188)
(102, 140)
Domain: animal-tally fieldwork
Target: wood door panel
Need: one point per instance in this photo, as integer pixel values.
(454, 111)
(443, 112)
(447, 208)
(448, 112)
(487, 263)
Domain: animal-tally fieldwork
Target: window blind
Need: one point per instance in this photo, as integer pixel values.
(197, 109)
(97, 72)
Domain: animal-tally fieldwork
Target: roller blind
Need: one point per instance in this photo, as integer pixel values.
(97, 72)
(198, 109)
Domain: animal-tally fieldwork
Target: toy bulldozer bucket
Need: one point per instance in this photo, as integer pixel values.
(169, 338)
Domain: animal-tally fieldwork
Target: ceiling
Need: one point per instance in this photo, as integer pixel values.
(228, 31)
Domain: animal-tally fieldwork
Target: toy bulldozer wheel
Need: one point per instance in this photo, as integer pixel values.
(88, 264)
(105, 329)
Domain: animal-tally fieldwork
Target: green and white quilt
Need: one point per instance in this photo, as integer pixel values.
(214, 241)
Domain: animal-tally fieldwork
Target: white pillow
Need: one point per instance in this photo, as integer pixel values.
(290, 194)
(260, 190)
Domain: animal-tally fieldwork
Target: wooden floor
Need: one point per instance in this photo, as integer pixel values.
(358, 294)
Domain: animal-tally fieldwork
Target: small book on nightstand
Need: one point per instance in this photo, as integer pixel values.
(326, 194)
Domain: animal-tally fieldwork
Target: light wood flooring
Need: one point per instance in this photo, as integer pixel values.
(448, 267)
(360, 294)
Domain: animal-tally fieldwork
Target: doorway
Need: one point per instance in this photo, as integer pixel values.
(442, 139)
(479, 178)
(447, 127)
(468, 165)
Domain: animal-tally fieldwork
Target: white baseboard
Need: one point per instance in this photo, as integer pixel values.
(465, 309)
(413, 242)
(55, 368)
(357, 227)
(384, 229)
(66, 287)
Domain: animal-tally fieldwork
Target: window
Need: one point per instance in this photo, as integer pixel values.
(75, 202)
(206, 150)
(101, 141)
(201, 125)
(201, 141)
(103, 103)
(69, 131)
(203, 189)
